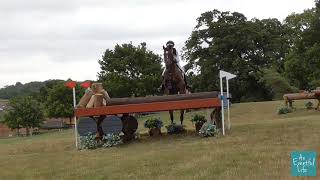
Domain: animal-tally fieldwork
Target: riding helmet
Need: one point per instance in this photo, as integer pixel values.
(170, 43)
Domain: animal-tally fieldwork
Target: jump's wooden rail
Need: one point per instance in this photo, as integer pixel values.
(289, 98)
(149, 107)
(195, 103)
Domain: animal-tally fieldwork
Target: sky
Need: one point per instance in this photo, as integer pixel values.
(61, 39)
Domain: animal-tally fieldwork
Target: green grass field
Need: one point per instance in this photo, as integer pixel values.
(257, 147)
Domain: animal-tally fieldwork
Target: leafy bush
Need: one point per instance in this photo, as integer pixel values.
(284, 110)
(276, 83)
(111, 140)
(309, 105)
(208, 130)
(89, 142)
(175, 128)
(153, 123)
(198, 119)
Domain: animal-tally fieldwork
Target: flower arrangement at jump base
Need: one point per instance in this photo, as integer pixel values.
(154, 125)
(208, 130)
(111, 140)
(174, 128)
(309, 105)
(90, 142)
(199, 120)
(284, 110)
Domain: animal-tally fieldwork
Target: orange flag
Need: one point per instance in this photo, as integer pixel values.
(86, 84)
(71, 84)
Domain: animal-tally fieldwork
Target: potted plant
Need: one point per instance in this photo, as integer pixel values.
(174, 128)
(154, 125)
(199, 120)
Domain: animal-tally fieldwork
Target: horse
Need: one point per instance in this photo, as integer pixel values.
(174, 82)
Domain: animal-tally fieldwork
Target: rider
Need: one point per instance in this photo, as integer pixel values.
(177, 59)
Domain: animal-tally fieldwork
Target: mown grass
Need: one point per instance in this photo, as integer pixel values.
(257, 147)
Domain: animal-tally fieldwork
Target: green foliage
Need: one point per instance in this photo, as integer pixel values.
(208, 130)
(175, 128)
(130, 71)
(297, 24)
(309, 105)
(302, 65)
(111, 140)
(228, 41)
(284, 110)
(153, 123)
(198, 119)
(303, 68)
(1, 117)
(58, 101)
(276, 83)
(89, 142)
(23, 112)
(19, 89)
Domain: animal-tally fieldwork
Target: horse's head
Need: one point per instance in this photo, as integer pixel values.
(168, 56)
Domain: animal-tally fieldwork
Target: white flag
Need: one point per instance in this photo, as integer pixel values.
(227, 75)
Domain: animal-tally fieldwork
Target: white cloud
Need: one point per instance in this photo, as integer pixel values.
(62, 39)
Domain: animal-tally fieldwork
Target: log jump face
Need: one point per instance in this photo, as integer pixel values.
(139, 100)
(153, 104)
(288, 98)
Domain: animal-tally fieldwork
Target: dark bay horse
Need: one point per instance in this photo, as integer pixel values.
(173, 78)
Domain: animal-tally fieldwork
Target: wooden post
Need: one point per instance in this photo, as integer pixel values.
(97, 88)
(98, 100)
(105, 96)
(290, 104)
(91, 102)
(85, 99)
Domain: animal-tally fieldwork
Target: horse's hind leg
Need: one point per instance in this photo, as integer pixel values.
(182, 90)
(171, 116)
(181, 116)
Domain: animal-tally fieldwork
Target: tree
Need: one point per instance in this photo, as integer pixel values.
(297, 24)
(228, 41)
(302, 65)
(130, 71)
(24, 112)
(59, 100)
(276, 83)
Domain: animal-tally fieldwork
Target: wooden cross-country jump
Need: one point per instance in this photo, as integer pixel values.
(100, 121)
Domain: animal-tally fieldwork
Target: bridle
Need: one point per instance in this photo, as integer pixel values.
(169, 58)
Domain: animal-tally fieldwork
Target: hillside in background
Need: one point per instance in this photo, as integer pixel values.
(20, 89)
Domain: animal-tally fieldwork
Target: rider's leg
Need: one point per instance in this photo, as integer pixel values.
(162, 82)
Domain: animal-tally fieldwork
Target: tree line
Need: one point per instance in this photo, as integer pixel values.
(52, 100)
(269, 57)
